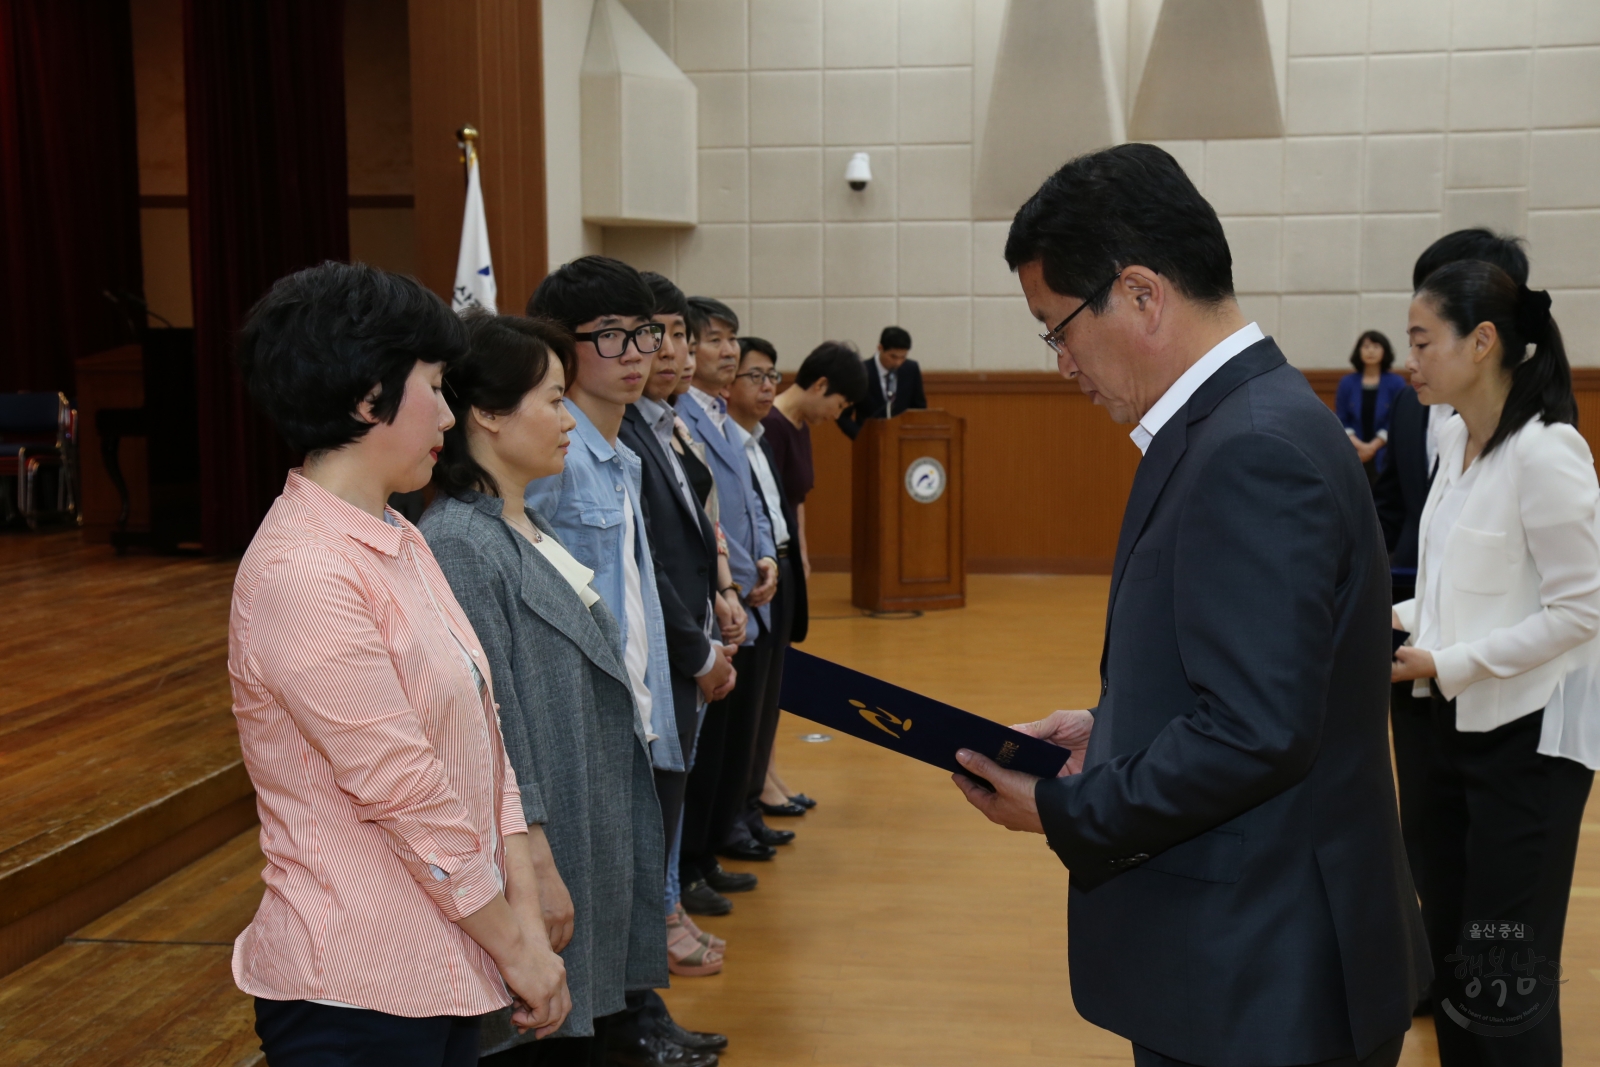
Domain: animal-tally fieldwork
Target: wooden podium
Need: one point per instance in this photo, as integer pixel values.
(908, 545)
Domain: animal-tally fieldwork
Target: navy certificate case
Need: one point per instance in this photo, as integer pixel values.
(898, 719)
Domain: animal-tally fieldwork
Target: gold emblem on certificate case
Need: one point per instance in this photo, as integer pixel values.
(877, 717)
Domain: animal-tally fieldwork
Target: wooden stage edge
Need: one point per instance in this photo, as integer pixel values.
(119, 758)
(67, 893)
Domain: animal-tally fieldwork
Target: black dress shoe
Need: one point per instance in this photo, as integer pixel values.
(803, 800)
(729, 881)
(747, 850)
(653, 1050)
(768, 836)
(693, 1040)
(700, 899)
(785, 811)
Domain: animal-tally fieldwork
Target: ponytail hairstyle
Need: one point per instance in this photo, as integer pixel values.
(507, 358)
(1470, 292)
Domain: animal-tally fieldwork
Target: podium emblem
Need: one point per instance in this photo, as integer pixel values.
(925, 480)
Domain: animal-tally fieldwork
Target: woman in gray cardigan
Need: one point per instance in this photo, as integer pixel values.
(566, 709)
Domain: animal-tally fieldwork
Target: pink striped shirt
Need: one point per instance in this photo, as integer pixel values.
(377, 762)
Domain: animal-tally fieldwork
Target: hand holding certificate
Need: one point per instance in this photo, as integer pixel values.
(898, 719)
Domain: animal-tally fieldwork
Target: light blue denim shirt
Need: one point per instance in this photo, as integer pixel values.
(584, 505)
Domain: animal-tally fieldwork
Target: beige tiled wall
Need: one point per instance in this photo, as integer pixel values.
(789, 90)
(1404, 118)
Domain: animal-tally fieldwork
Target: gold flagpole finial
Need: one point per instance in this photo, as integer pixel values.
(467, 141)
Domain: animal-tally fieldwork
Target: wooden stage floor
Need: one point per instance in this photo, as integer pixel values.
(899, 930)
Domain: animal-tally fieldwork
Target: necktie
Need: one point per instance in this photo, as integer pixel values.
(888, 391)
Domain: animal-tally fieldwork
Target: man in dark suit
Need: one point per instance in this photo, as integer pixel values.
(894, 383)
(1239, 893)
(683, 545)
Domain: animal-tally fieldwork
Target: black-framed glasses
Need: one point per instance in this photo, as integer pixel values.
(758, 376)
(612, 341)
(1053, 338)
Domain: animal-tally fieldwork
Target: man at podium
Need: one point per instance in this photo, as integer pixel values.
(894, 383)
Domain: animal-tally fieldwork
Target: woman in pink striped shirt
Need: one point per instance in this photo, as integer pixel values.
(401, 901)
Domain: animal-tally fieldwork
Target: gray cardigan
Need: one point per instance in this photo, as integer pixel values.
(574, 739)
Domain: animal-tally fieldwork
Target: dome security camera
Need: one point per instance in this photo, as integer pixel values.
(858, 172)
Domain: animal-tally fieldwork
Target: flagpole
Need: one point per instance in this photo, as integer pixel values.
(467, 141)
(475, 285)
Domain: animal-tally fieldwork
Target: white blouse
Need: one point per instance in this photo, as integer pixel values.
(577, 575)
(1508, 589)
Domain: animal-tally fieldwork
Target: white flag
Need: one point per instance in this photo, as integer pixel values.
(474, 273)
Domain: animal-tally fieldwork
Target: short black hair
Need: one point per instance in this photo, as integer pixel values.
(748, 345)
(589, 288)
(507, 357)
(894, 337)
(1108, 210)
(1476, 243)
(708, 307)
(841, 364)
(1378, 339)
(669, 298)
(322, 338)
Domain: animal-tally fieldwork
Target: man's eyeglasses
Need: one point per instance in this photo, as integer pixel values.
(1053, 338)
(613, 341)
(758, 376)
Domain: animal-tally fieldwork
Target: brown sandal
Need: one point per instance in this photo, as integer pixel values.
(686, 956)
(708, 940)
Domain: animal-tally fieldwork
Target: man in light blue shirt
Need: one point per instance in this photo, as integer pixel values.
(596, 507)
(713, 820)
(594, 504)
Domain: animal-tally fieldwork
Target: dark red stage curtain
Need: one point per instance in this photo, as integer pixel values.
(69, 186)
(267, 196)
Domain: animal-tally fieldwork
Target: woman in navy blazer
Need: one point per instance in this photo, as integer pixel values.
(1365, 397)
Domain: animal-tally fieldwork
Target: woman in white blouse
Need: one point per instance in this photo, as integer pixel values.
(1507, 606)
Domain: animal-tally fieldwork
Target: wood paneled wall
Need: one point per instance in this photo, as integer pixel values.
(1048, 473)
(479, 63)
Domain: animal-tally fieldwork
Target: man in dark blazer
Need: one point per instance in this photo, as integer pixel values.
(683, 545)
(1239, 893)
(894, 383)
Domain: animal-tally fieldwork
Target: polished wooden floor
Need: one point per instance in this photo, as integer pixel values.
(119, 759)
(899, 930)
(902, 929)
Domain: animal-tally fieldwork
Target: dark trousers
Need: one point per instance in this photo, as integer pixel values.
(640, 1018)
(767, 726)
(556, 1051)
(1500, 835)
(1411, 720)
(298, 1033)
(1385, 1055)
(670, 788)
(715, 796)
(670, 785)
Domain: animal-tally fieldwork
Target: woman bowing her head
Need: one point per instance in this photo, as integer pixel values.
(401, 901)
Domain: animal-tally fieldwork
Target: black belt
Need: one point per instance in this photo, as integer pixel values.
(785, 551)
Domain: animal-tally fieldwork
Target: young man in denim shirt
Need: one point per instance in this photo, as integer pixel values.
(595, 505)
